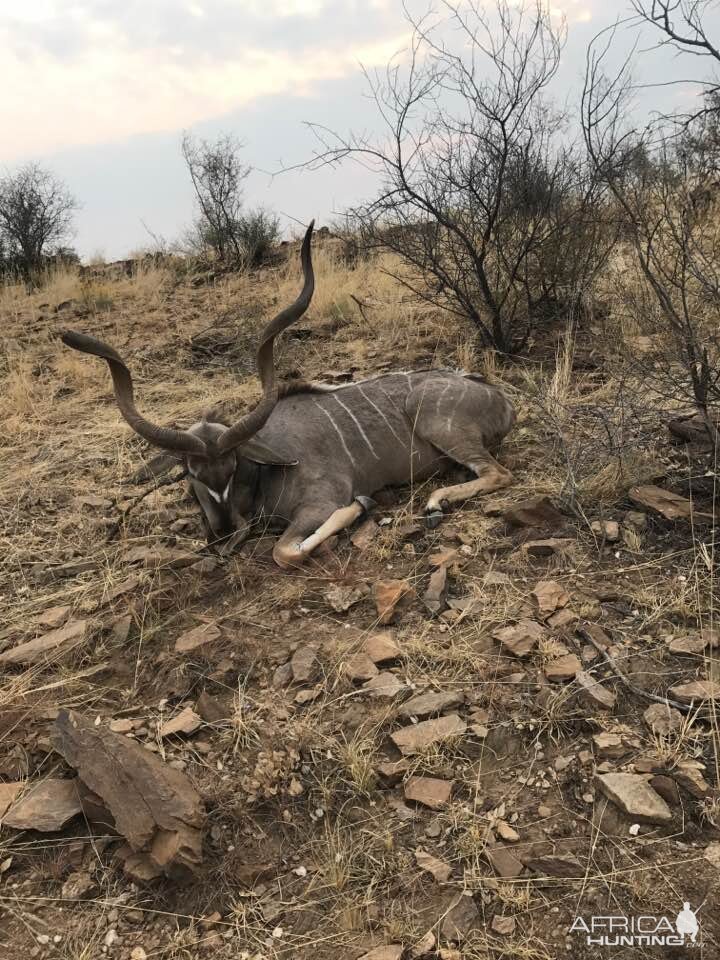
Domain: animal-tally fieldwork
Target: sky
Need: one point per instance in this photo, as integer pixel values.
(100, 92)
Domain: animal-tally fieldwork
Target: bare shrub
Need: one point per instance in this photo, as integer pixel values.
(257, 232)
(36, 218)
(493, 212)
(597, 437)
(656, 177)
(232, 236)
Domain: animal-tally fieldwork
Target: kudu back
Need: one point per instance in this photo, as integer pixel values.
(309, 457)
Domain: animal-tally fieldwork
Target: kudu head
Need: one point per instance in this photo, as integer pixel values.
(222, 460)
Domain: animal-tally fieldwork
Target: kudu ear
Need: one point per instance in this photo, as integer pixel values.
(156, 467)
(259, 452)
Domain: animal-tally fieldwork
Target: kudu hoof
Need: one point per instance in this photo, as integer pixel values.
(433, 518)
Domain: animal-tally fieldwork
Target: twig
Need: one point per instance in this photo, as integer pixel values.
(165, 482)
(361, 308)
(655, 698)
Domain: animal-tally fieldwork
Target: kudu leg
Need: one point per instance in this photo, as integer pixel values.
(490, 476)
(304, 535)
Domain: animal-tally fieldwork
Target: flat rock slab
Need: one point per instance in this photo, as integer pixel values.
(552, 546)
(426, 704)
(504, 926)
(435, 597)
(549, 596)
(424, 948)
(393, 951)
(696, 644)
(392, 771)
(696, 690)
(8, 793)
(663, 719)
(460, 920)
(611, 746)
(360, 667)
(562, 618)
(440, 869)
(669, 505)
(37, 650)
(420, 736)
(555, 866)
(46, 805)
(155, 807)
(385, 684)
(187, 721)
(197, 637)
(594, 693)
(305, 665)
(364, 535)
(688, 775)
(429, 791)
(538, 512)
(606, 529)
(381, 647)
(504, 863)
(712, 854)
(563, 668)
(52, 617)
(122, 725)
(634, 795)
(506, 832)
(521, 638)
(391, 596)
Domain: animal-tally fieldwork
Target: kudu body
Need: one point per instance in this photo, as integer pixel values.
(309, 457)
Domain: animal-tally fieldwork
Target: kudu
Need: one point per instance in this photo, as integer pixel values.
(309, 457)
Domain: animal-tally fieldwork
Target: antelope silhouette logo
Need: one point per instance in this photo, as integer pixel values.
(686, 923)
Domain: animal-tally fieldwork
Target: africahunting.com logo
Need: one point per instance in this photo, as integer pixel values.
(640, 931)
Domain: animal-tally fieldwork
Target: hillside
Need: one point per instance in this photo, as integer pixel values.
(540, 633)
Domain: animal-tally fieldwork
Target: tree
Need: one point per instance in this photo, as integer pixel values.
(657, 177)
(36, 216)
(492, 212)
(218, 175)
(681, 26)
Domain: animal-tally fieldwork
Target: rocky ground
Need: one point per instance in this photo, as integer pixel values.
(457, 744)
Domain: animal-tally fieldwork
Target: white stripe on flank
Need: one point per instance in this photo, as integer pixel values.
(337, 430)
(442, 394)
(376, 407)
(452, 415)
(391, 403)
(358, 425)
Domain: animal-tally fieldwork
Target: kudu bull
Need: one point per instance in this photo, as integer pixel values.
(309, 457)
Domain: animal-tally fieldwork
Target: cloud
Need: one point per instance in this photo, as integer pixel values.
(100, 71)
(84, 72)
